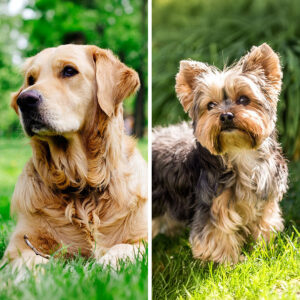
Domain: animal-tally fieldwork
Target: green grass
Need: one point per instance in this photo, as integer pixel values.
(268, 272)
(143, 147)
(74, 279)
(77, 279)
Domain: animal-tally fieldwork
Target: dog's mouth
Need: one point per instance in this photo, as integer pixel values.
(34, 125)
(229, 128)
(234, 137)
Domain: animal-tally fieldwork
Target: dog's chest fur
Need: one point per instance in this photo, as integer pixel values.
(187, 178)
(259, 174)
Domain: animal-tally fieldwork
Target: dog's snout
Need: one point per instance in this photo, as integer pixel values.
(227, 117)
(29, 100)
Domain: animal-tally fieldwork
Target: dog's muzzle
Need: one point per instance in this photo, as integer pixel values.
(29, 103)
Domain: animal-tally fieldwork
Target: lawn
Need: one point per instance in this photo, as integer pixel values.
(74, 279)
(268, 272)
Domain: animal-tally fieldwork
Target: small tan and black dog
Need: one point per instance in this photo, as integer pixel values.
(224, 174)
(85, 186)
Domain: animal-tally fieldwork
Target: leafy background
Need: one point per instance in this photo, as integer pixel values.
(219, 32)
(119, 25)
(26, 27)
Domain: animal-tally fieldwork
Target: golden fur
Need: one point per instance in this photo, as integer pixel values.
(86, 185)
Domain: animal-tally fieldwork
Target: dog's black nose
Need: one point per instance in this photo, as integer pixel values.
(29, 100)
(227, 118)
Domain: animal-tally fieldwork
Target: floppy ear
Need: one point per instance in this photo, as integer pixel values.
(115, 81)
(186, 80)
(264, 59)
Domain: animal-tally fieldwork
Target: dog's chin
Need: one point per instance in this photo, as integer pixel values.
(38, 128)
(232, 140)
(44, 132)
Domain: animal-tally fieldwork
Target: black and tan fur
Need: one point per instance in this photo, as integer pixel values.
(222, 177)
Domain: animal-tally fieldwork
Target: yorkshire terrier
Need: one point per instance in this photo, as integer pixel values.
(224, 174)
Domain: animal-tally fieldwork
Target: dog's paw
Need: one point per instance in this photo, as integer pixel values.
(218, 247)
(24, 267)
(118, 253)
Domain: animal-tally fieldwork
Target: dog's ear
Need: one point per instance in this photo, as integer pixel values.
(115, 81)
(264, 59)
(186, 81)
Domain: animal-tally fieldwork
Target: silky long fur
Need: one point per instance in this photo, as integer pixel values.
(86, 191)
(224, 185)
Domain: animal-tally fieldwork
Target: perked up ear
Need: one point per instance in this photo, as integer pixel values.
(263, 58)
(115, 81)
(186, 80)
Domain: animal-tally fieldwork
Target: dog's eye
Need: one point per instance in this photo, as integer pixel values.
(211, 105)
(30, 80)
(244, 100)
(69, 71)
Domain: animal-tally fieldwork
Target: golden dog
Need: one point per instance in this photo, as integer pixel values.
(85, 186)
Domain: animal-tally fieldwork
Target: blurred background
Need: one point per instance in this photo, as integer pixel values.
(218, 32)
(28, 26)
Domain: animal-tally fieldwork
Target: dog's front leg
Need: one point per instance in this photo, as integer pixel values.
(121, 252)
(23, 251)
(269, 223)
(220, 239)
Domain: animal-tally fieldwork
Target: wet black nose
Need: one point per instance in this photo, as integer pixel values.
(227, 118)
(29, 100)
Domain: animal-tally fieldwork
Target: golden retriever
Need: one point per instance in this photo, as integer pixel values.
(85, 187)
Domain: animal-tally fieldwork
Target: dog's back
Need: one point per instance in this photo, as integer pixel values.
(184, 174)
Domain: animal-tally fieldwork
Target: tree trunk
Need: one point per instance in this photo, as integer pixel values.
(139, 109)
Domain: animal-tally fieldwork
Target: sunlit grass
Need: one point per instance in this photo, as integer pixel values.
(143, 147)
(268, 272)
(74, 279)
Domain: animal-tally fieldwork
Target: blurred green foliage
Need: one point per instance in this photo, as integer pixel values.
(109, 24)
(220, 32)
(119, 25)
(10, 79)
